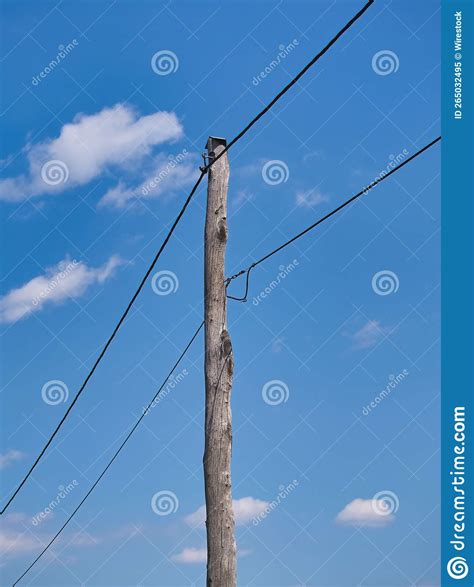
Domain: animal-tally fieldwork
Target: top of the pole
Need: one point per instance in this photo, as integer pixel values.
(214, 142)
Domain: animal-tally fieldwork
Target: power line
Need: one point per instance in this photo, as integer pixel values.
(228, 281)
(175, 223)
(323, 219)
(296, 78)
(109, 341)
(124, 442)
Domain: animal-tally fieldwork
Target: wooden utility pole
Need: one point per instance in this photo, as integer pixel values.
(219, 364)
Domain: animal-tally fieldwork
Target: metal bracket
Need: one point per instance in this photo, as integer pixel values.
(211, 145)
(206, 158)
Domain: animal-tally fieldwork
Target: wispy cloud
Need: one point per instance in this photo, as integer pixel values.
(16, 538)
(368, 335)
(250, 169)
(16, 543)
(163, 177)
(310, 198)
(242, 196)
(10, 457)
(365, 512)
(189, 556)
(114, 138)
(245, 510)
(67, 279)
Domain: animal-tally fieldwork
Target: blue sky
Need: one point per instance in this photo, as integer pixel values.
(76, 245)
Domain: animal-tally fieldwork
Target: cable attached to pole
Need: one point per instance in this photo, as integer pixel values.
(109, 341)
(124, 442)
(240, 299)
(362, 192)
(204, 170)
(295, 80)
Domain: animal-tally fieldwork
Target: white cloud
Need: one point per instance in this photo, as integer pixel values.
(245, 510)
(191, 556)
(166, 176)
(199, 555)
(365, 512)
(11, 456)
(197, 518)
(67, 279)
(310, 198)
(242, 196)
(250, 169)
(14, 543)
(90, 145)
(368, 335)
(16, 539)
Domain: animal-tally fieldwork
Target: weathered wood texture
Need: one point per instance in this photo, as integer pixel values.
(221, 547)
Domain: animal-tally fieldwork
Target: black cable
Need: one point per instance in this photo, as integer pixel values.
(321, 220)
(247, 271)
(109, 341)
(178, 218)
(242, 299)
(124, 442)
(228, 281)
(295, 79)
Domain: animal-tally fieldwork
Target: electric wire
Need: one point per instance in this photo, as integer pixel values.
(124, 442)
(323, 219)
(107, 344)
(240, 299)
(175, 223)
(295, 80)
